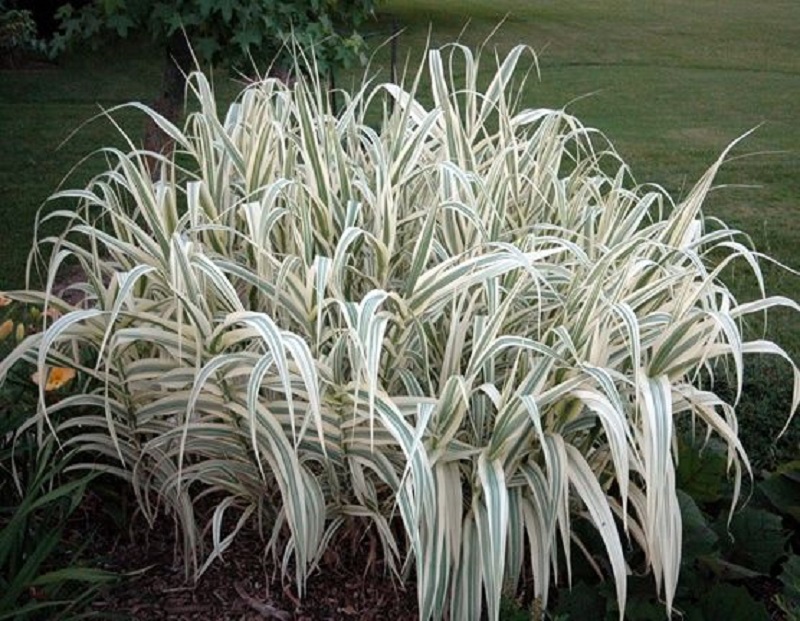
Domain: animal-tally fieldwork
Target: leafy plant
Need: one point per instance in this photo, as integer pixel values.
(466, 325)
(782, 489)
(789, 600)
(39, 572)
(726, 550)
(18, 34)
(726, 601)
(729, 560)
(238, 31)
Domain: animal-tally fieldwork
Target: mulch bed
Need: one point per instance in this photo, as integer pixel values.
(242, 586)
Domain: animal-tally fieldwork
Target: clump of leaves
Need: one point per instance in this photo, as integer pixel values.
(40, 572)
(17, 322)
(237, 31)
(466, 328)
(737, 565)
(18, 35)
(789, 600)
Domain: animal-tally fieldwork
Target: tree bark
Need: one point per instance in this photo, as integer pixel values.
(177, 65)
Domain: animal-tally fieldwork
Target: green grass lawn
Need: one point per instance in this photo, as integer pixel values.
(671, 84)
(39, 111)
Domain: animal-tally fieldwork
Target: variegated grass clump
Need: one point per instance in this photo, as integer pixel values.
(465, 321)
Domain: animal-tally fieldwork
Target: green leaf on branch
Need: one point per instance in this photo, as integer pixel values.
(581, 602)
(732, 603)
(790, 577)
(782, 489)
(121, 24)
(756, 538)
(241, 29)
(701, 470)
(698, 537)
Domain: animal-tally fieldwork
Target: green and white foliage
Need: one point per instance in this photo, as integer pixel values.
(460, 326)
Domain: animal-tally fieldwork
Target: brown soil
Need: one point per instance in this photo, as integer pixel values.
(242, 586)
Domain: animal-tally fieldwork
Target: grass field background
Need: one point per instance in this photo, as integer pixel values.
(670, 83)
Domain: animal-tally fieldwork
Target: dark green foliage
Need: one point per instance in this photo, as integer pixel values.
(699, 539)
(757, 539)
(39, 571)
(644, 604)
(18, 34)
(43, 575)
(582, 601)
(725, 564)
(510, 610)
(789, 599)
(728, 602)
(642, 609)
(724, 555)
(701, 470)
(239, 31)
(782, 489)
(44, 13)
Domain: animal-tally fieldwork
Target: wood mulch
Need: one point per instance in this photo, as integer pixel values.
(242, 586)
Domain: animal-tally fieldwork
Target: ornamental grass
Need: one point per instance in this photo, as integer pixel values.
(460, 326)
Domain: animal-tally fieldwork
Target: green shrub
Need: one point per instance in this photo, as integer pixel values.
(467, 321)
(18, 35)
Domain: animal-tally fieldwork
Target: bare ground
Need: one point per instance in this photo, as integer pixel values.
(243, 586)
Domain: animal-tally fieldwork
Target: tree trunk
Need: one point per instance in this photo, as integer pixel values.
(178, 63)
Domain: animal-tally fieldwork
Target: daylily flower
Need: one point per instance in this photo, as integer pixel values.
(4, 300)
(56, 378)
(5, 328)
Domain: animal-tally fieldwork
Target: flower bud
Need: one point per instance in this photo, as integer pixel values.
(5, 329)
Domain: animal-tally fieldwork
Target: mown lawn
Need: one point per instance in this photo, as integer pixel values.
(671, 84)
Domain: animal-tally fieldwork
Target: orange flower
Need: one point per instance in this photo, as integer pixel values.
(4, 300)
(56, 378)
(6, 328)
